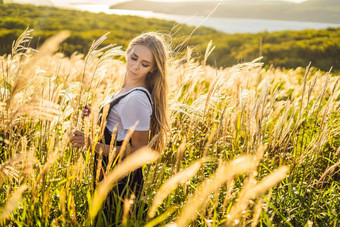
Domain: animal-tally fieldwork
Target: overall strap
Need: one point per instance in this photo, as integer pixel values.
(116, 101)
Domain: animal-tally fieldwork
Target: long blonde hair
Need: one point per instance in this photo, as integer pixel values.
(156, 82)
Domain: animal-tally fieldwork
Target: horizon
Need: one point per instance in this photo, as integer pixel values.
(64, 3)
(216, 0)
(224, 24)
(110, 2)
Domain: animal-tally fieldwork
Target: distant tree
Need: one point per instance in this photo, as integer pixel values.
(289, 49)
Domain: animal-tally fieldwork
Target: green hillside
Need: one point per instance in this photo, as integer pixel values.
(288, 49)
(327, 11)
(84, 26)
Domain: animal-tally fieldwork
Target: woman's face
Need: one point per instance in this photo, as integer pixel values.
(139, 63)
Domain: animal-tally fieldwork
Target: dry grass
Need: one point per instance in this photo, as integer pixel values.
(129, 164)
(216, 115)
(172, 183)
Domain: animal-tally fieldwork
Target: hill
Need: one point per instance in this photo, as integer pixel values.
(35, 2)
(321, 3)
(289, 49)
(325, 11)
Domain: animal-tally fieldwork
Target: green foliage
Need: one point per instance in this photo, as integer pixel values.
(85, 26)
(289, 49)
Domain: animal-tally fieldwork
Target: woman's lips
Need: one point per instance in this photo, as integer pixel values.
(133, 73)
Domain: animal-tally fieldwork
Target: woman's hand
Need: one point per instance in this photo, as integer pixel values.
(78, 139)
(86, 111)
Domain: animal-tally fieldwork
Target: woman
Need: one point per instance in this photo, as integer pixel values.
(142, 98)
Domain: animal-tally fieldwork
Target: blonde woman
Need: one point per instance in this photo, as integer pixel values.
(142, 98)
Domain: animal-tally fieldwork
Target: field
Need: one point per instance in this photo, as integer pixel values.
(248, 145)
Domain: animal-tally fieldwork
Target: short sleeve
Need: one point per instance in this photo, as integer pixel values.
(136, 107)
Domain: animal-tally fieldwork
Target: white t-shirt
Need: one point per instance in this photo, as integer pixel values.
(134, 107)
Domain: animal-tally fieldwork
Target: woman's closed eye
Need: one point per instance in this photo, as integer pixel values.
(135, 59)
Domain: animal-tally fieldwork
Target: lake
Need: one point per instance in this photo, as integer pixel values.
(227, 25)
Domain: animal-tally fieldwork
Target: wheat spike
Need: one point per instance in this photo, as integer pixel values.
(224, 173)
(172, 184)
(13, 202)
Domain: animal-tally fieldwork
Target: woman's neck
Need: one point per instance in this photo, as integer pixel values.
(128, 85)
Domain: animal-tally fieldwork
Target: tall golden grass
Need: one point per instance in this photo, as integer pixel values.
(215, 170)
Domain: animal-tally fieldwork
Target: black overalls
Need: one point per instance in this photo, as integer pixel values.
(133, 183)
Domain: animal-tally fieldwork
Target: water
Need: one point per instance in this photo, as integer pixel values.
(227, 25)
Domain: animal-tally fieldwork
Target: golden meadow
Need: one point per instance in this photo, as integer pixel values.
(248, 146)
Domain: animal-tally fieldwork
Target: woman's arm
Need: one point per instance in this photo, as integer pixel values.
(138, 140)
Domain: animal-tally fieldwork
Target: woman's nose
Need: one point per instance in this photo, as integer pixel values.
(135, 65)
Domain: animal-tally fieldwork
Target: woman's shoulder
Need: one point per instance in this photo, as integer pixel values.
(136, 102)
(139, 94)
